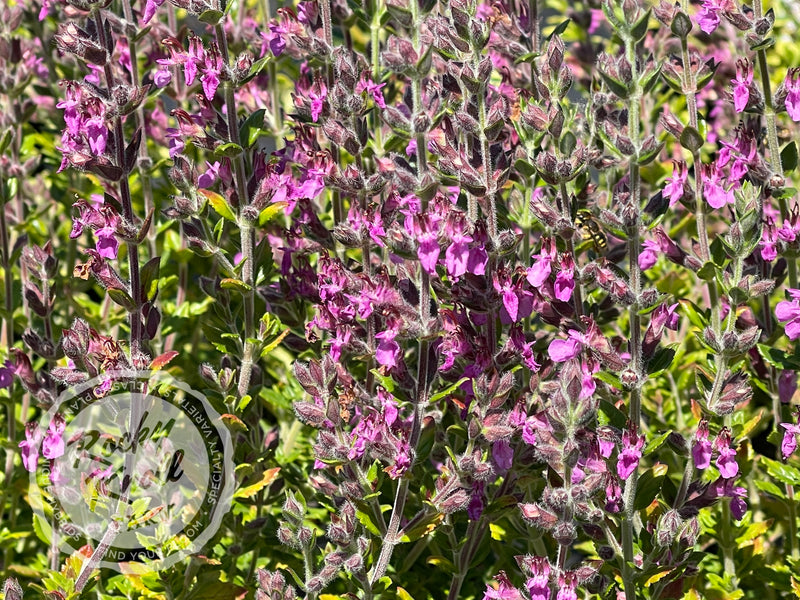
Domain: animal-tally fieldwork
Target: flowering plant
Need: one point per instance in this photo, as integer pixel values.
(506, 289)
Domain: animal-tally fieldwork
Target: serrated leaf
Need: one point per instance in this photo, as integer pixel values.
(559, 29)
(649, 485)
(655, 443)
(219, 204)
(384, 380)
(765, 485)
(661, 360)
(783, 473)
(270, 475)
(614, 415)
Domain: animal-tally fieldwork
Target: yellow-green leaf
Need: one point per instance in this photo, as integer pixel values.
(270, 212)
(270, 475)
(219, 204)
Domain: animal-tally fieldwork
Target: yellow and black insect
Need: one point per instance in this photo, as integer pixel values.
(590, 230)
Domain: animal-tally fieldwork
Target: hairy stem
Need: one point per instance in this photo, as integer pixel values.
(246, 228)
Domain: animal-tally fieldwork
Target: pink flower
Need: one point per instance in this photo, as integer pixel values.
(150, 10)
(792, 101)
(631, 452)
(789, 312)
(789, 443)
(538, 585)
(30, 447)
(564, 350)
(317, 95)
(53, 445)
(107, 243)
(701, 449)
(504, 591)
(741, 85)
(373, 89)
(726, 461)
(716, 195)
(675, 184)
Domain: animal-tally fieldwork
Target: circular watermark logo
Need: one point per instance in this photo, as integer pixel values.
(136, 465)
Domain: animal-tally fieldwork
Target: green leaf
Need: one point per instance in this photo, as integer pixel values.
(269, 476)
(5, 140)
(230, 150)
(567, 143)
(614, 415)
(524, 167)
(251, 128)
(270, 212)
(211, 17)
(122, 298)
(220, 205)
(366, 520)
(783, 473)
(384, 380)
(648, 488)
(707, 272)
(691, 139)
(449, 390)
(274, 344)
(639, 29)
(661, 360)
(149, 277)
(789, 157)
(217, 590)
(765, 485)
(423, 527)
(616, 86)
(559, 29)
(655, 443)
(763, 45)
(235, 284)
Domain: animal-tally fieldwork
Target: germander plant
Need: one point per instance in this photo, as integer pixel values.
(494, 298)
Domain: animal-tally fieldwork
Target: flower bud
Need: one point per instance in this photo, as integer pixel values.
(668, 526)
